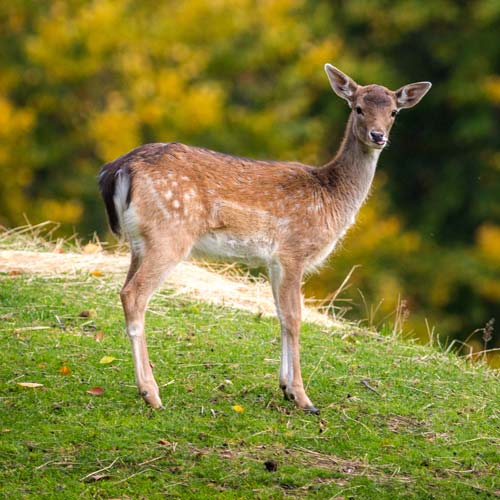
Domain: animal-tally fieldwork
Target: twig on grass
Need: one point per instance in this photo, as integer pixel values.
(314, 371)
(54, 462)
(131, 476)
(60, 323)
(151, 460)
(357, 421)
(100, 470)
(365, 382)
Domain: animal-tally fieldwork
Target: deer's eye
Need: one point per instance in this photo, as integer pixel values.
(394, 113)
(359, 110)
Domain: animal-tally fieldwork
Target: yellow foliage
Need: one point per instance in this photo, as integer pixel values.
(389, 288)
(14, 122)
(169, 84)
(61, 211)
(488, 241)
(440, 292)
(494, 360)
(311, 64)
(115, 130)
(490, 288)
(94, 17)
(492, 88)
(202, 107)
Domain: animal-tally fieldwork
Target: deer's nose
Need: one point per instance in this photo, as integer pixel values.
(377, 137)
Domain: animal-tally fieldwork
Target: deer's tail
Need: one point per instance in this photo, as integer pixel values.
(115, 182)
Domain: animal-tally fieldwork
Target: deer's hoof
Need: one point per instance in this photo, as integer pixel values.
(154, 402)
(286, 396)
(312, 409)
(151, 396)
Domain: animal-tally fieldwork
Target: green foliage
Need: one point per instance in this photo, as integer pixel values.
(429, 430)
(82, 82)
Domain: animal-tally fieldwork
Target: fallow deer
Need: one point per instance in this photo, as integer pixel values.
(171, 201)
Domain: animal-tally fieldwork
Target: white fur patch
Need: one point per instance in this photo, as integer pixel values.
(134, 329)
(255, 250)
(131, 228)
(122, 187)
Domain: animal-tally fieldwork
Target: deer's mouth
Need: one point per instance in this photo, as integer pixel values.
(378, 144)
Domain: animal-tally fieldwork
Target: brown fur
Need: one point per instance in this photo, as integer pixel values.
(287, 216)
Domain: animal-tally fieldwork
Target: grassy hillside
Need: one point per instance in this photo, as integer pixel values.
(398, 420)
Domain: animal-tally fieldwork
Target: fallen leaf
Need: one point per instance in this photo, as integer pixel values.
(16, 272)
(322, 426)
(96, 477)
(33, 385)
(238, 408)
(96, 273)
(96, 391)
(106, 359)
(64, 370)
(99, 336)
(91, 248)
(58, 250)
(42, 365)
(164, 442)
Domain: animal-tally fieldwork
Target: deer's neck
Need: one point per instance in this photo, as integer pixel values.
(349, 175)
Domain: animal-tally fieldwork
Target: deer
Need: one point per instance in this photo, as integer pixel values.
(172, 201)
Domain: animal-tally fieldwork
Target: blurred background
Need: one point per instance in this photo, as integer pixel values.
(82, 82)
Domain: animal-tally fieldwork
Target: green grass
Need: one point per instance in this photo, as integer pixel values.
(432, 429)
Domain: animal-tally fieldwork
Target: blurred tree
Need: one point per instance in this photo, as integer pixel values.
(82, 82)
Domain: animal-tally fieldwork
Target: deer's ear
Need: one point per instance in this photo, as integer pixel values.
(342, 85)
(410, 95)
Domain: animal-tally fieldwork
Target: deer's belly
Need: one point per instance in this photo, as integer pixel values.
(253, 250)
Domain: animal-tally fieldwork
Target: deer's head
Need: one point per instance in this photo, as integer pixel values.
(374, 108)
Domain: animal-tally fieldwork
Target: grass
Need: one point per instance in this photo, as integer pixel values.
(398, 420)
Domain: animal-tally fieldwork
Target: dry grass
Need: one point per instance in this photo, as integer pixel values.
(33, 250)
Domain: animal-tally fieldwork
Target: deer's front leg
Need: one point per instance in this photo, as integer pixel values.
(287, 294)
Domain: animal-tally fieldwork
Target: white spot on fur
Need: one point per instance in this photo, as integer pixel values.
(134, 329)
(156, 197)
(168, 195)
(176, 204)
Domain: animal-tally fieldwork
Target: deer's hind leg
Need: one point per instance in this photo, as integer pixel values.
(147, 272)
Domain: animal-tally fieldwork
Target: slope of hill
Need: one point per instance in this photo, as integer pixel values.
(398, 420)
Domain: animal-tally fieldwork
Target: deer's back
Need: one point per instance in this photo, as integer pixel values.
(232, 207)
